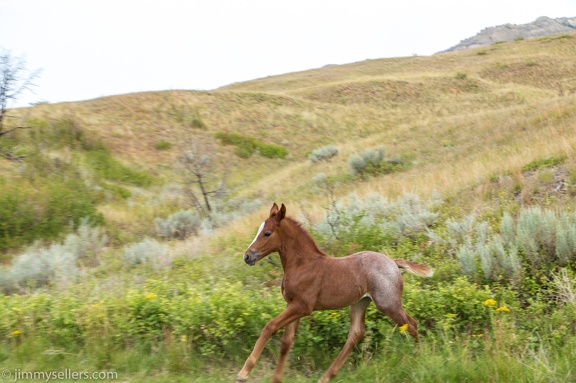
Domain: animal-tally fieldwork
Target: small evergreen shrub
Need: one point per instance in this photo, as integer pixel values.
(324, 153)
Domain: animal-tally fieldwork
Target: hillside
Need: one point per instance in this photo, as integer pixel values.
(462, 160)
(464, 116)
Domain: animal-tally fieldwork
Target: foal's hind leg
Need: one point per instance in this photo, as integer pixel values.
(286, 345)
(397, 313)
(355, 334)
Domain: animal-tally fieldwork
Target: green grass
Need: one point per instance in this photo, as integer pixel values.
(457, 358)
(112, 169)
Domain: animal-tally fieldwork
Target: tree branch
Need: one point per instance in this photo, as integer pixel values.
(11, 130)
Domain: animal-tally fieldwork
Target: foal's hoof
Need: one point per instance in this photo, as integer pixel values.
(241, 380)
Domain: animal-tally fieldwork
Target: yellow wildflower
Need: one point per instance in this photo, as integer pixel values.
(16, 332)
(503, 309)
(489, 302)
(150, 296)
(404, 327)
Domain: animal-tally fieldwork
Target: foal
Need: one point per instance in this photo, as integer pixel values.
(314, 281)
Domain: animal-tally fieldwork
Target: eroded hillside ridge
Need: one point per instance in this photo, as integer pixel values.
(542, 26)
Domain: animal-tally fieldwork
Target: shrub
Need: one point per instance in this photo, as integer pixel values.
(148, 251)
(188, 118)
(87, 243)
(324, 153)
(111, 169)
(64, 132)
(373, 162)
(272, 151)
(39, 266)
(56, 263)
(163, 145)
(534, 244)
(460, 300)
(179, 225)
(374, 222)
(543, 163)
(45, 210)
(246, 146)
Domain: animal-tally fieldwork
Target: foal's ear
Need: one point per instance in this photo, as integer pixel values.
(281, 214)
(273, 210)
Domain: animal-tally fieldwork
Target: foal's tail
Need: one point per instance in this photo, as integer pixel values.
(415, 268)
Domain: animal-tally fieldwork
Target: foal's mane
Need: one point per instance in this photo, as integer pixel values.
(298, 229)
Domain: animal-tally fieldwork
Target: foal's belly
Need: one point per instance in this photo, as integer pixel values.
(343, 284)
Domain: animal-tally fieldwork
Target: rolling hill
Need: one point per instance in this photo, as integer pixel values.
(462, 118)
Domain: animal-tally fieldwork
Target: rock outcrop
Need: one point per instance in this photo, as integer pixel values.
(542, 26)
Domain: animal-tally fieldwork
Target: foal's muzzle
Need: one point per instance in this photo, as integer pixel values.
(251, 257)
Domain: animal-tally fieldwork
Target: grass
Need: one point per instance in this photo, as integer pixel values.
(454, 358)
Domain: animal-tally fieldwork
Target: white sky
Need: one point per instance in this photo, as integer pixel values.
(92, 48)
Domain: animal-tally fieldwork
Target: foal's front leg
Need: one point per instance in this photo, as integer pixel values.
(286, 344)
(289, 315)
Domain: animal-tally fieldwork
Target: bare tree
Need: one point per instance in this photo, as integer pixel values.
(15, 79)
(201, 179)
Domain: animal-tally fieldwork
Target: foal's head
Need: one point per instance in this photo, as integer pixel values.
(267, 239)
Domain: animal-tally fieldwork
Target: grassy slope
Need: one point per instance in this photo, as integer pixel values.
(464, 117)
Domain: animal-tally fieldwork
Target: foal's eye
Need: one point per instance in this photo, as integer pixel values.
(267, 233)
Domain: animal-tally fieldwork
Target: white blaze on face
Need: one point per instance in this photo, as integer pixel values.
(257, 234)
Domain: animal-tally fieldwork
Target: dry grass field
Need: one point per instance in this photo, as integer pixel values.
(463, 119)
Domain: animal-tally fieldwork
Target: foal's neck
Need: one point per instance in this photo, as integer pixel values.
(298, 246)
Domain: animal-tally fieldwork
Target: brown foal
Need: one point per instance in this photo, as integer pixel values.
(314, 281)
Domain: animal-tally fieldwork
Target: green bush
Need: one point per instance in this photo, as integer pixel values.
(163, 145)
(543, 163)
(188, 117)
(65, 132)
(374, 162)
(45, 211)
(111, 169)
(246, 146)
(272, 151)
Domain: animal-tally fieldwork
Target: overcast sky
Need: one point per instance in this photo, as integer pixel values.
(93, 48)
